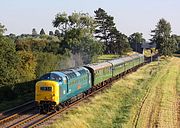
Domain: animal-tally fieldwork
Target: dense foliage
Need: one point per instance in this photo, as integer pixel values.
(76, 31)
(166, 44)
(2, 29)
(9, 62)
(107, 33)
(135, 40)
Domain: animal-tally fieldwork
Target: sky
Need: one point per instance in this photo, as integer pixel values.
(21, 16)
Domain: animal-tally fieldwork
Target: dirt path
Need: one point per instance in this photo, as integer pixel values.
(161, 106)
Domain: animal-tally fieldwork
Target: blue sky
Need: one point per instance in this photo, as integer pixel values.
(20, 16)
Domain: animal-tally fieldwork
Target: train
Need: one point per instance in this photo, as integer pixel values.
(56, 89)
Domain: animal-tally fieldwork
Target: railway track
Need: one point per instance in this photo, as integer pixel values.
(15, 109)
(13, 113)
(27, 121)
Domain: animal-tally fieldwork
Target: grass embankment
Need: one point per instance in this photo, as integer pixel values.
(178, 94)
(160, 108)
(115, 107)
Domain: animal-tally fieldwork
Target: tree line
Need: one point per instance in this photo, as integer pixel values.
(78, 40)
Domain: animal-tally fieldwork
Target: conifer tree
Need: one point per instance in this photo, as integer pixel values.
(42, 32)
(166, 44)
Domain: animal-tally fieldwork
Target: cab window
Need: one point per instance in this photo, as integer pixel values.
(51, 76)
(46, 89)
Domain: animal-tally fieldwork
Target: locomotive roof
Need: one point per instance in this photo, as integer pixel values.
(116, 61)
(135, 56)
(98, 66)
(124, 59)
(74, 72)
(141, 55)
(128, 58)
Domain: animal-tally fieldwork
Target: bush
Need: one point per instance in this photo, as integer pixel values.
(46, 62)
(6, 93)
(24, 88)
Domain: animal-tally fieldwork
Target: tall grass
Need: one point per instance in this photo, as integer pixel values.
(115, 107)
(159, 109)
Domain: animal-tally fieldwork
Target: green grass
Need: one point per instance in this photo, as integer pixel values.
(107, 57)
(178, 83)
(159, 108)
(114, 108)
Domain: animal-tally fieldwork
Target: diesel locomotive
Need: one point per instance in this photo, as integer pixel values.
(59, 88)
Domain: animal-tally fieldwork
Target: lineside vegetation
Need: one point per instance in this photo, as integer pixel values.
(119, 106)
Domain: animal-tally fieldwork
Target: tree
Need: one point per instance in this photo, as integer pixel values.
(51, 33)
(162, 36)
(48, 44)
(104, 26)
(9, 62)
(123, 42)
(90, 48)
(73, 29)
(42, 32)
(30, 44)
(34, 32)
(173, 45)
(120, 43)
(12, 36)
(26, 66)
(61, 22)
(46, 62)
(136, 39)
(2, 29)
(57, 33)
(177, 38)
(66, 23)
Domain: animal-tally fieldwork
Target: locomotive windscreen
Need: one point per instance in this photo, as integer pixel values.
(51, 76)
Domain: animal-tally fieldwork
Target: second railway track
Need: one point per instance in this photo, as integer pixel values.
(14, 113)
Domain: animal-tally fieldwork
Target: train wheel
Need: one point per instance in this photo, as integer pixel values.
(43, 111)
(57, 108)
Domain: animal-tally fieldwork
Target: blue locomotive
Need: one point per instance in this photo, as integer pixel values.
(59, 88)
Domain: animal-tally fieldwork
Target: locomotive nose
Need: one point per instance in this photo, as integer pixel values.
(46, 91)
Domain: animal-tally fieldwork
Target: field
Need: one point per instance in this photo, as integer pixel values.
(146, 98)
